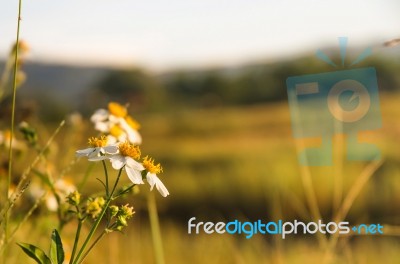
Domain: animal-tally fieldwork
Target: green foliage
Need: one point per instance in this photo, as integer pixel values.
(56, 251)
(56, 248)
(35, 253)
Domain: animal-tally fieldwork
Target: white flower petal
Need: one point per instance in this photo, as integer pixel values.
(99, 115)
(134, 175)
(161, 188)
(123, 137)
(51, 203)
(63, 187)
(98, 158)
(111, 140)
(134, 164)
(95, 153)
(102, 126)
(117, 161)
(133, 135)
(111, 149)
(114, 119)
(152, 179)
(84, 152)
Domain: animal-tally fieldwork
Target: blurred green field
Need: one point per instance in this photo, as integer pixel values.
(222, 164)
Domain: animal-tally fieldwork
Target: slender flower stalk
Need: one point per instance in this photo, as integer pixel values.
(155, 229)
(79, 257)
(10, 152)
(77, 235)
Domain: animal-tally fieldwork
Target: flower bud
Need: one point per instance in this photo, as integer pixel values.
(74, 198)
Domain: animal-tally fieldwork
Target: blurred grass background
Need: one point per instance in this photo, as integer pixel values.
(224, 140)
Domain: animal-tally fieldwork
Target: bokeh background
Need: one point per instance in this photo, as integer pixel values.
(206, 80)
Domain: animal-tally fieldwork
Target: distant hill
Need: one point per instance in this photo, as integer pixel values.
(58, 89)
(65, 83)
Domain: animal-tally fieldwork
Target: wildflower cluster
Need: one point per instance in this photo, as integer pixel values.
(117, 144)
(120, 145)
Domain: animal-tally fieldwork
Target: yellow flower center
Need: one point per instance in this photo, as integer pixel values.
(98, 142)
(116, 131)
(129, 150)
(132, 123)
(117, 109)
(148, 163)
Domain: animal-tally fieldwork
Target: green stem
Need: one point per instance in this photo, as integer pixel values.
(12, 119)
(98, 220)
(124, 191)
(155, 229)
(106, 174)
(108, 217)
(77, 235)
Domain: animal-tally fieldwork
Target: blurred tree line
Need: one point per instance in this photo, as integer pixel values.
(54, 91)
(246, 85)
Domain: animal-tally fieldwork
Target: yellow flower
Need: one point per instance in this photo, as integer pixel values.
(94, 206)
(74, 198)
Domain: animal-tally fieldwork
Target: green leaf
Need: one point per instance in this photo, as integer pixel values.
(56, 248)
(35, 253)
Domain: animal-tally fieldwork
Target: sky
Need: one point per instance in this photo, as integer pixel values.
(161, 34)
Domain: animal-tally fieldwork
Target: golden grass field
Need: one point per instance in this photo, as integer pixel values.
(226, 163)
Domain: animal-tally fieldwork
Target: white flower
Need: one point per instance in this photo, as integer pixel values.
(62, 187)
(117, 123)
(126, 159)
(151, 176)
(132, 134)
(98, 149)
(103, 120)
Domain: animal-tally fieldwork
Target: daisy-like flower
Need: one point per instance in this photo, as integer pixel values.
(151, 176)
(126, 158)
(116, 122)
(63, 187)
(98, 148)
